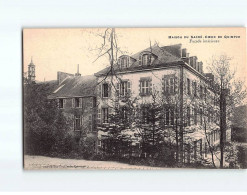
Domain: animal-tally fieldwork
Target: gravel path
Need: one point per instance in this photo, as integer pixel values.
(42, 162)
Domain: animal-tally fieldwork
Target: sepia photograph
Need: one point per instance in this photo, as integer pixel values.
(134, 98)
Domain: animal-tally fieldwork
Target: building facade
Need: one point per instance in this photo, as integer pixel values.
(76, 98)
(175, 79)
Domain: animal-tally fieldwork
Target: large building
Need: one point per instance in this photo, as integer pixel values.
(169, 73)
(179, 80)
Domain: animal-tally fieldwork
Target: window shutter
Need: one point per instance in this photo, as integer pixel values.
(118, 61)
(64, 102)
(149, 59)
(118, 87)
(129, 87)
(110, 111)
(150, 86)
(163, 84)
(198, 90)
(73, 102)
(99, 116)
(57, 102)
(73, 121)
(193, 88)
(140, 89)
(109, 90)
(175, 85)
(90, 122)
(100, 90)
(167, 85)
(80, 102)
(128, 62)
(140, 60)
(81, 120)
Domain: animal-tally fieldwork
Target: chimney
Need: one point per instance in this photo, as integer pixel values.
(77, 74)
(195, 62)
(191, 61)
(200, 67)
(184, 52)
(186, 59)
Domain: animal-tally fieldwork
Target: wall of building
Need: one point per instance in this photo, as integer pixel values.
(134, 79)
(86, 112)
(199, 144)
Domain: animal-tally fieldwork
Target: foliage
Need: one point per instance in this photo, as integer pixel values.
(45, 127)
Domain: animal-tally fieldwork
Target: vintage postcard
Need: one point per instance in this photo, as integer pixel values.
(134, 98)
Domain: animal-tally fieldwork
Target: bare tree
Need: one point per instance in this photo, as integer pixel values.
(231, 93)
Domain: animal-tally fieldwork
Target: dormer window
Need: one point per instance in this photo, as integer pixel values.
(124, 61)
(146, 59)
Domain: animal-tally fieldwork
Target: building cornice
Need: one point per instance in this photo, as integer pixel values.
(159, 67)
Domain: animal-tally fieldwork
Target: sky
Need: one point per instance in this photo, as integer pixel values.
(57, 49)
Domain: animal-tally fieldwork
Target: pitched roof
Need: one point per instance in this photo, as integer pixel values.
(76, 86)
(50, 86)
(166, 55)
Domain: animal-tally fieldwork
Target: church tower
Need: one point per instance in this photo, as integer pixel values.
(31, 71)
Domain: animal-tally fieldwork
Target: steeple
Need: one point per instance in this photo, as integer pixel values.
(77, 74)
(31, 71)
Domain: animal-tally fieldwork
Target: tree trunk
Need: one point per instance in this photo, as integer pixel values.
(177, 147)
(181, 115)
(222, 125)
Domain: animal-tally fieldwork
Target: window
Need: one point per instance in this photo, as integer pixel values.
(172, 116)
(169, 85)
(91, 104)
(169, 116)
(105, 90)
(145, 115)
(123, 88)
(192, 116)
(201, 119)
(61, 103)
(188, 116)
(124, 62)
(90, 126)
(77, 102)
(145, 87)
(124, 115)
(188, 87)
(201, 92)
(105, 115)
(194, 89)
(99, 116)
(146, 59)
(77, 122)
(195, 116)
